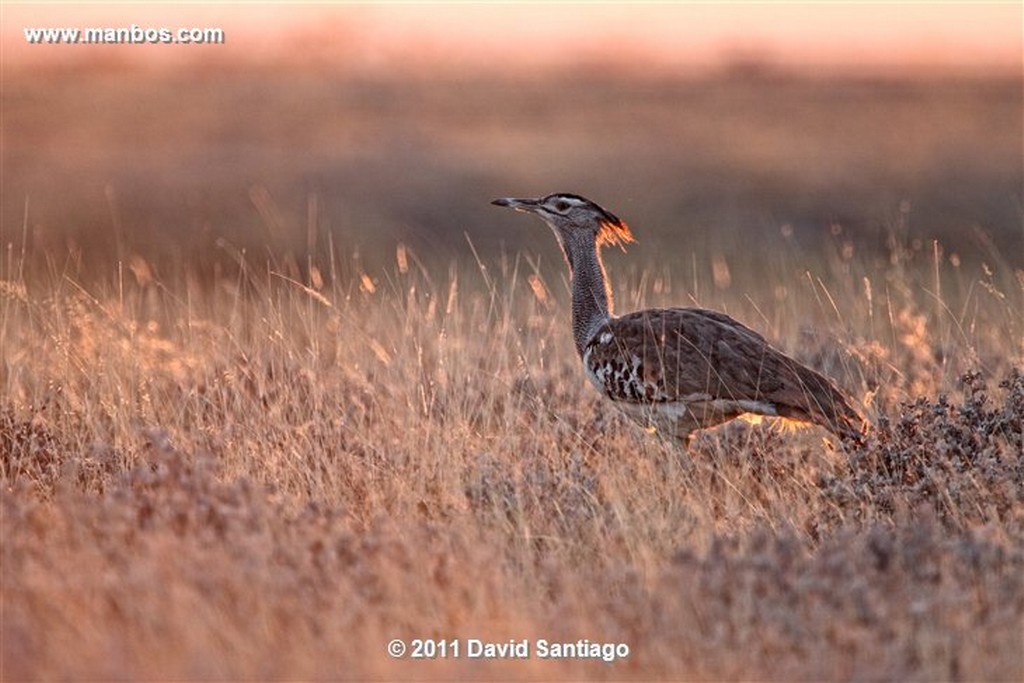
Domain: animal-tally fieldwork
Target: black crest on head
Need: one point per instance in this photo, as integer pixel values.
(613, 231)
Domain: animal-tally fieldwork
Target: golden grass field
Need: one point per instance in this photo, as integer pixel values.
(222, 461)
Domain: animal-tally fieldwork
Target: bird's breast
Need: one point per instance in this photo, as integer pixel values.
(619, 373)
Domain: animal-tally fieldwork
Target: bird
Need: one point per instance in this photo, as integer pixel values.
(676, 370)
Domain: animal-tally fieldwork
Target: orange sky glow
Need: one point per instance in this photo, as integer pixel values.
(483, 36)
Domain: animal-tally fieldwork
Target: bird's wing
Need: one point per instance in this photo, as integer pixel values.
(689, 354)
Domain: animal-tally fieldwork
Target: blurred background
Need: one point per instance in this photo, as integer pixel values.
(331, 129)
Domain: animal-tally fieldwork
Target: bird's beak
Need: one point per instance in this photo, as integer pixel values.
(527, 205)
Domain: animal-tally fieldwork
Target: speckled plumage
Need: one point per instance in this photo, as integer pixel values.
(676, 369)
(712, 365)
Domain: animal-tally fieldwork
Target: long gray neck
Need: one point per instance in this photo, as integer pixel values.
(591, 297)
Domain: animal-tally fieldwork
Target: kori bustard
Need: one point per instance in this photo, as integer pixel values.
(676, 369)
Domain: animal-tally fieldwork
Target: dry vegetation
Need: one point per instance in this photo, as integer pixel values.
(263, 480)
(268, 471)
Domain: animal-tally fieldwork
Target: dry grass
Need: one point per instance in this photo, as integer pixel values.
(257, 478)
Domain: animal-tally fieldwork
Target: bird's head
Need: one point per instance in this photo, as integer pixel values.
(573, 217)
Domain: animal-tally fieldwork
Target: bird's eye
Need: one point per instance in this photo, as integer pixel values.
(561, 206)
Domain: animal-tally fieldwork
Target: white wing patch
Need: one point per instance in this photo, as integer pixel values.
(696, 411)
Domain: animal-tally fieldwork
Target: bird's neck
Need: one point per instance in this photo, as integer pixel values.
(591, 296)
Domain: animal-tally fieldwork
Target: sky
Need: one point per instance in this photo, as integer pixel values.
(520, 35)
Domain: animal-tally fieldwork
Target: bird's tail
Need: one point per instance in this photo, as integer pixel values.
(823, 404)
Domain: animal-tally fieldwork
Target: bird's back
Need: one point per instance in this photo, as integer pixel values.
(702, 367)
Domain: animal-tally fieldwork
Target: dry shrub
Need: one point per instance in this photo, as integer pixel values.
(961, 460)
(175, 570)
(906, 603)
